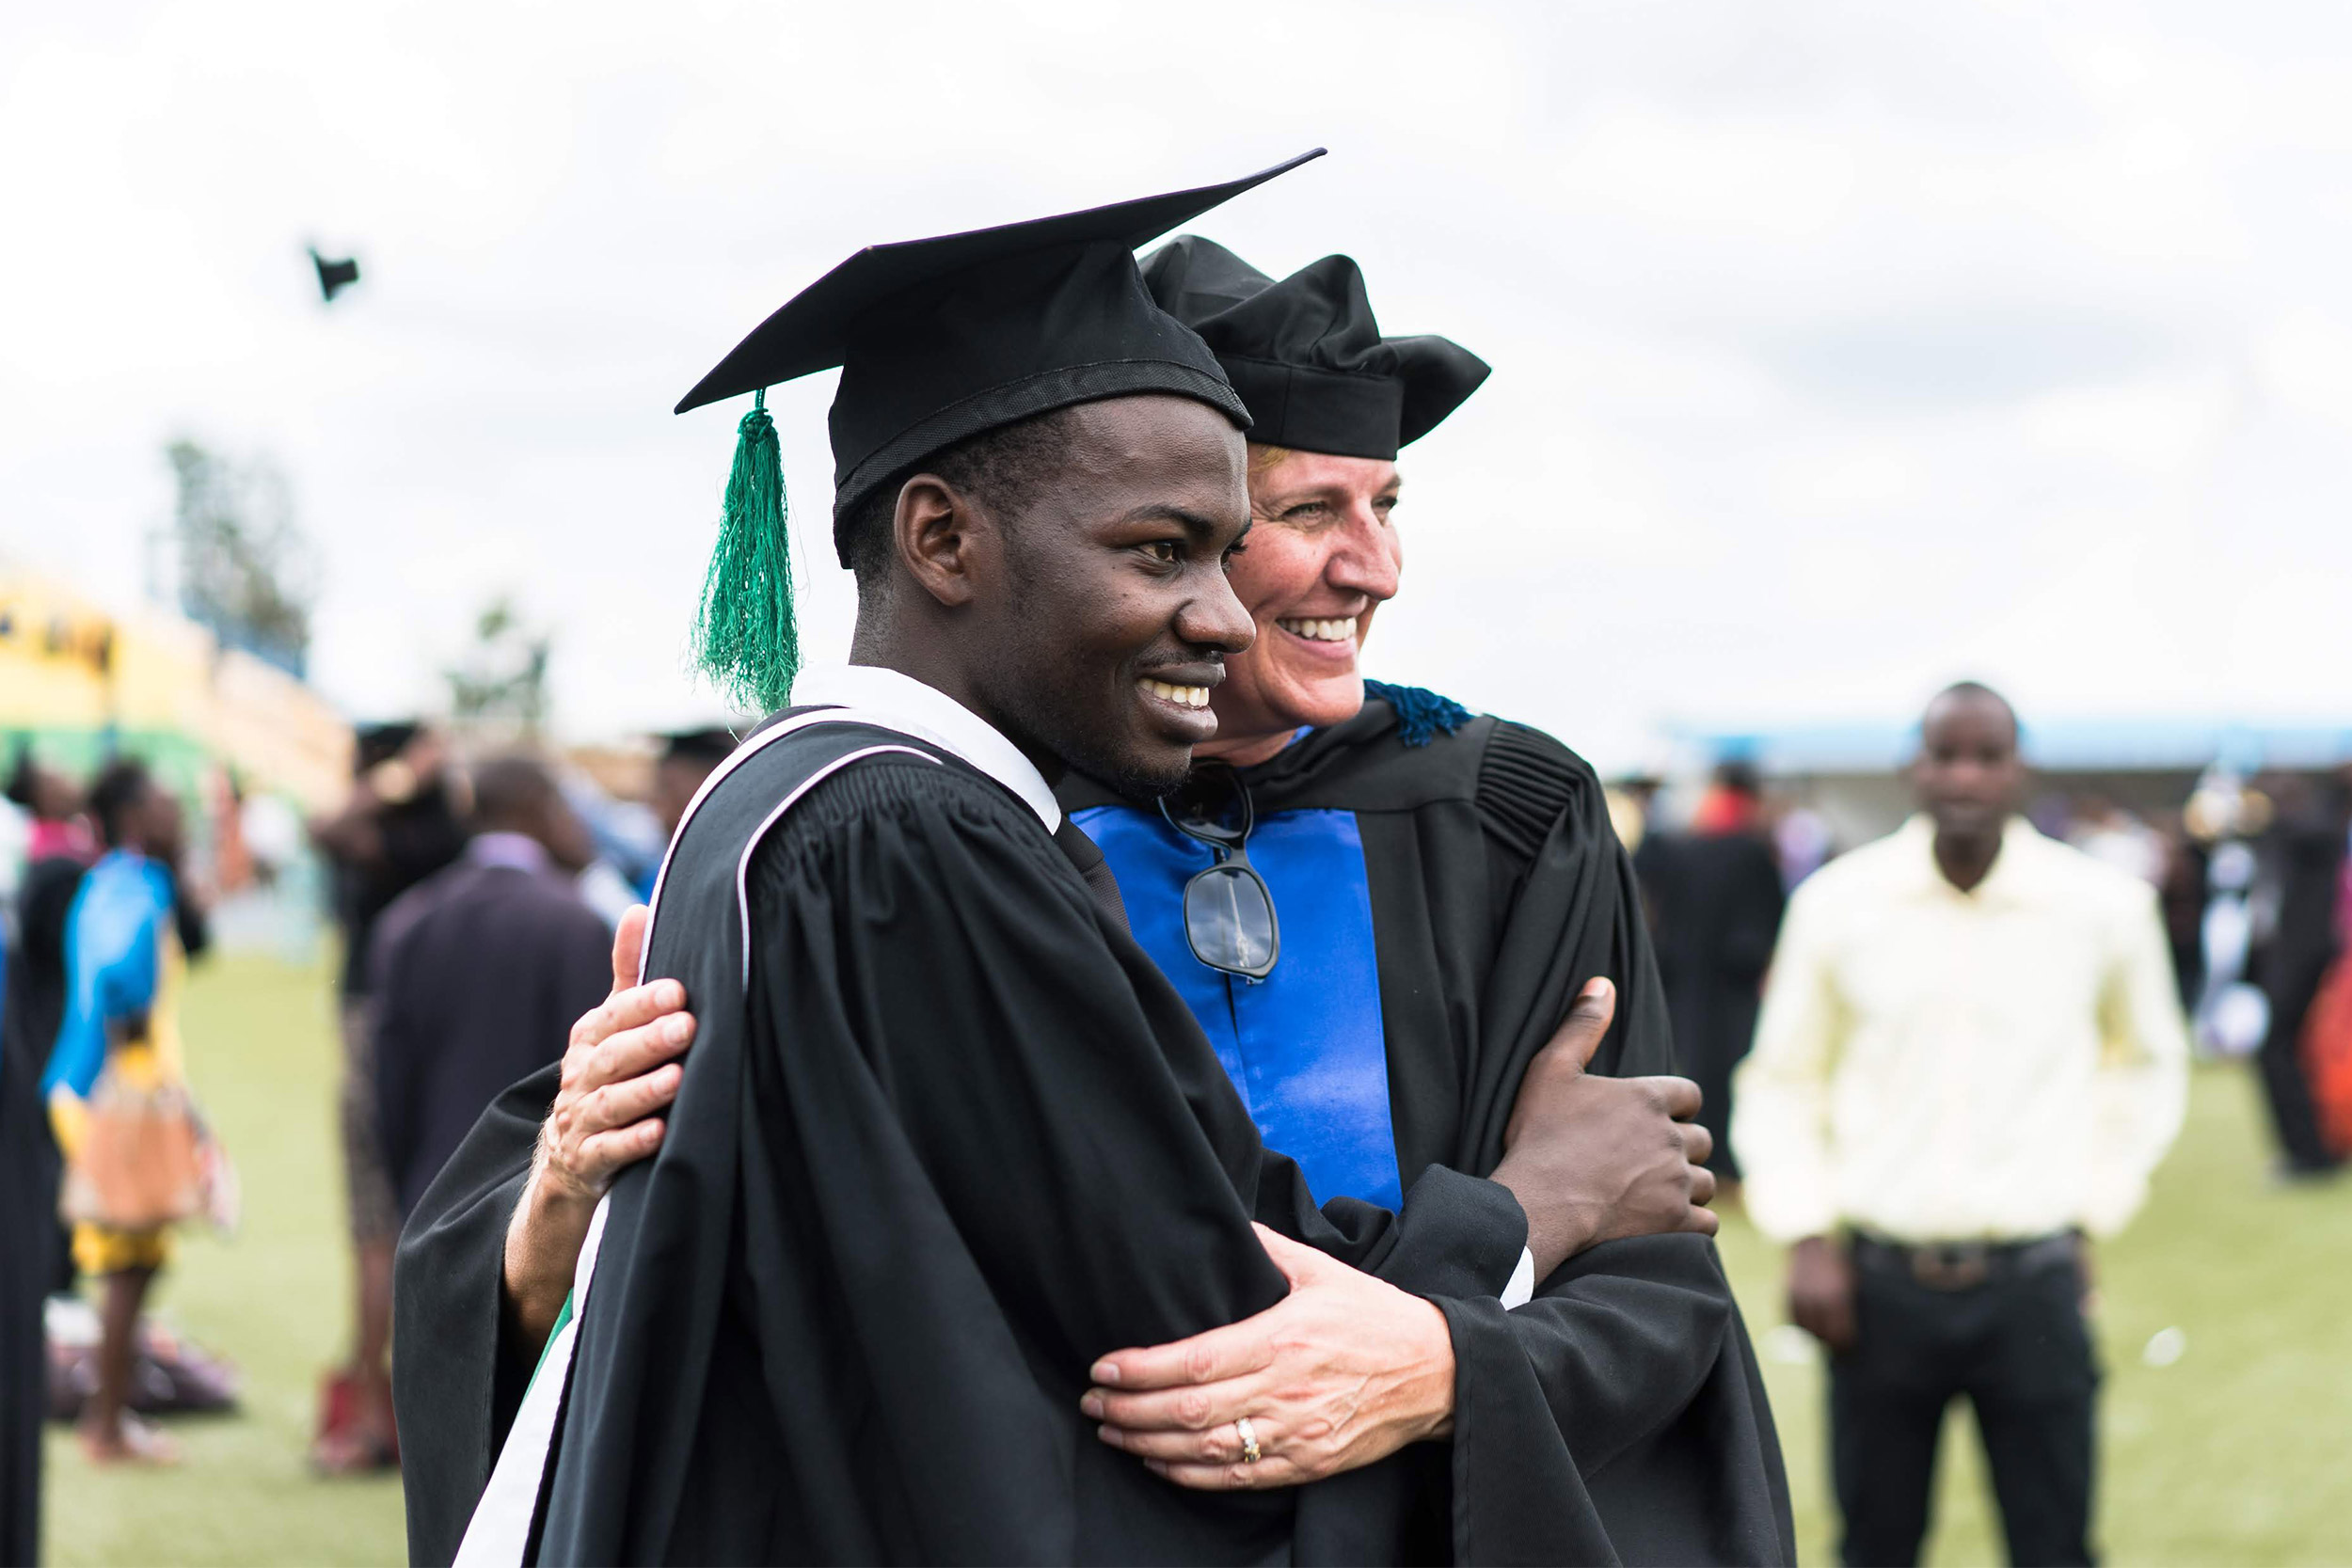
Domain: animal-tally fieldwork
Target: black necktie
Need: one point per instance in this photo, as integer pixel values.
(1082, 852)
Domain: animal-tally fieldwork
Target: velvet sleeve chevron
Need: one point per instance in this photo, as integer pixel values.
(1526, 782)
(1556, 863)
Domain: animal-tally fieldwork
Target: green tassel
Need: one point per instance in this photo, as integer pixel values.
(745, 638)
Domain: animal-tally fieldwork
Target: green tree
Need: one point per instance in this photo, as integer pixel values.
(501, 684)
(245, 571)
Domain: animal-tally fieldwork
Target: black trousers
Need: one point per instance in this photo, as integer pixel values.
(2287, 1087)
(2016, 1347)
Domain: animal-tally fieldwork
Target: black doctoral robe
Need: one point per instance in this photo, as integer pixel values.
(1498, 889)
(946, 1136)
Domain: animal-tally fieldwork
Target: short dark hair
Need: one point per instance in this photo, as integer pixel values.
(1975, 691)
(116, 793)
(703, 749)
(1738, 776)
(511, 791)
(1004, 469)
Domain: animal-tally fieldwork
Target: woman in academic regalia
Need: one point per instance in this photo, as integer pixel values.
(1380, 907)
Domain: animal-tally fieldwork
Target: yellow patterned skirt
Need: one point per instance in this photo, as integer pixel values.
(101, 1249)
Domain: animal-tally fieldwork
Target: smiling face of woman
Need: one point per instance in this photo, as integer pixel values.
(1320, 557)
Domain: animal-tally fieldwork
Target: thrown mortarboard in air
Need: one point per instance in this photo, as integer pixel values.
(1306, 354)
(334, 276)
(939, 340)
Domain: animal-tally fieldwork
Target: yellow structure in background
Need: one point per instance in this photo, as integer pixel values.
(81, 683)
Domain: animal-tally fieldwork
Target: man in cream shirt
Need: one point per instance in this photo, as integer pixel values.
(1969, 1058)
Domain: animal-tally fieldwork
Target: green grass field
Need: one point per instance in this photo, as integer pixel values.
(2234, 1453)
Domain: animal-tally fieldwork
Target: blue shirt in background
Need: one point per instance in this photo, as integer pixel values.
(114, 953)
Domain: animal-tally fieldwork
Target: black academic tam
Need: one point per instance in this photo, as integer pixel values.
(1307, 355)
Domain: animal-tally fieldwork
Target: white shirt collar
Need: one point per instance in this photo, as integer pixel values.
(2012, 869)
(930, 714)
(518, 851)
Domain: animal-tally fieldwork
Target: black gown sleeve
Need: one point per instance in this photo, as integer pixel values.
(1632, 1356)
(457, 1395)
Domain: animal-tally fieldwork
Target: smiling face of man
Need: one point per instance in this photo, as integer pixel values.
(1323, 556)
(1104, 625)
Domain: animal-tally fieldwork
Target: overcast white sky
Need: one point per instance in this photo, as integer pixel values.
(1839, 349)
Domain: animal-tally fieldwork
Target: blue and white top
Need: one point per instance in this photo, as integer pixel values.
(122, 966)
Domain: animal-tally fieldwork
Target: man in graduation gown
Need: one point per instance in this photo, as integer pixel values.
(946, 1135)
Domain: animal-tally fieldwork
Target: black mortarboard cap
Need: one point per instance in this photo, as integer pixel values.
(1306, 354)
(940, 340)
(334, 276)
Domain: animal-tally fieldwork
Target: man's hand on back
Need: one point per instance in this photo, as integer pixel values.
(1595, 1159)
(620, 1072)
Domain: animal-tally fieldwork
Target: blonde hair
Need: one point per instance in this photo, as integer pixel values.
(1263, 457)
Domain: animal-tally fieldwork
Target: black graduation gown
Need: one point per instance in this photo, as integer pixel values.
(1498, 889)
(32, 1006)
(28, 1223)
(946, 1136)
(1718, 909)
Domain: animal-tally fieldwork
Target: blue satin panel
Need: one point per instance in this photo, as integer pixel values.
(1304, 1046)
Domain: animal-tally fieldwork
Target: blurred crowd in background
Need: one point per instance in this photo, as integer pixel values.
(473, 901)
(2251, 871)
(474, 884)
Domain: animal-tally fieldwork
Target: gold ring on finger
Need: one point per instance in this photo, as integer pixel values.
(1247, 1431)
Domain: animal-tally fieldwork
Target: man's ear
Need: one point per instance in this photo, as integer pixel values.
(940, 538)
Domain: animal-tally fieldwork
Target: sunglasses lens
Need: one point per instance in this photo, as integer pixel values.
(1229, 920)
(1211, 805)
